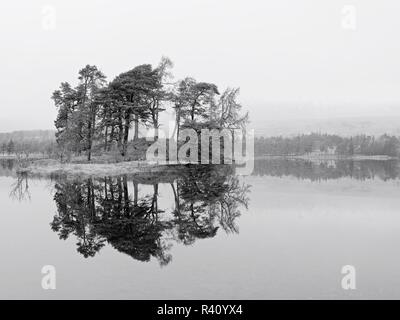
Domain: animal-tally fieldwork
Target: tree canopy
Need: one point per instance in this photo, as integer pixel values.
(98, 116)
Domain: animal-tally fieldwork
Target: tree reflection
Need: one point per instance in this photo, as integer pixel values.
(100, 211)
(322, 170)
(20, 188)
(205, 201)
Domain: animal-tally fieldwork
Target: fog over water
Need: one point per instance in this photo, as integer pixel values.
(277, 52)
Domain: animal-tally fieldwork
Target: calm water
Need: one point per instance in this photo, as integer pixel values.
(284, 232)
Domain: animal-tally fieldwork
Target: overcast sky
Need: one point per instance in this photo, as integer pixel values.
(309, 53)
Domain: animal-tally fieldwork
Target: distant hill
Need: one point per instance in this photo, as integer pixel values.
(28, 136)
(344, 127)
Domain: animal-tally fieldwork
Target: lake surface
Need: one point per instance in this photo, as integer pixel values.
(284, 232)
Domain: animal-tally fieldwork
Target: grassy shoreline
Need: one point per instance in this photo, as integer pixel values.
(54, 168)
(47, 167)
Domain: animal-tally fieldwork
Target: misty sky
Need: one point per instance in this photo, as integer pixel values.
(290, 58)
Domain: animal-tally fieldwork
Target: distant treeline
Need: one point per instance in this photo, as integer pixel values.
(97, 116)
(27, 135)
(25, 143)
(316, 143)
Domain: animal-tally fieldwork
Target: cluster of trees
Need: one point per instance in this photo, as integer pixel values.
(324, 143)
(27, 148)
(25, 143)
(8, 147)
(97, 115)
(27, 135)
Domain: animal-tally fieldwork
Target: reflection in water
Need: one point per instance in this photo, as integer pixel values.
(143, 216)
(205, 199)
(100, 211)
(326, 170)
(7, 167)
(20, 188)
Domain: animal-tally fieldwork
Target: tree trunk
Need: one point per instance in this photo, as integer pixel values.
(135, 193)
(111, 138)
(136, 136)
(178, 126)
(89, 140)
(126, 135)
(91, 127)
(155, 122)
(105, 139)
(120, 133)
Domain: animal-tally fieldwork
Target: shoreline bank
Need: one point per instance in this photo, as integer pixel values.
(50, 167)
